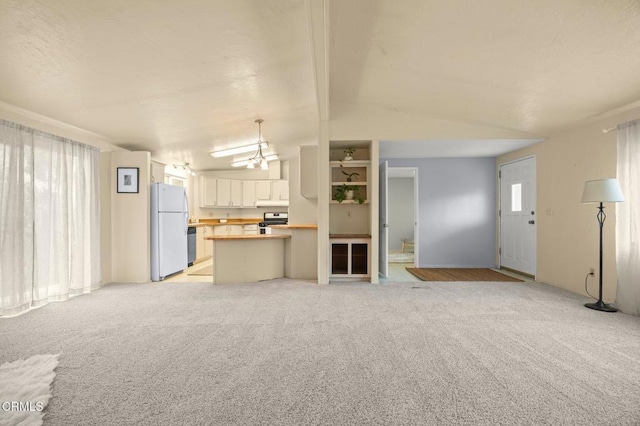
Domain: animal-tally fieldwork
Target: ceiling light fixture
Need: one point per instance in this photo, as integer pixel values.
(246, 161)
(239, 149)
(259, 159)
(186, 168)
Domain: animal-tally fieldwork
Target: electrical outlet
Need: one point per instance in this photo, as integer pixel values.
(348, 214)
(592, 271)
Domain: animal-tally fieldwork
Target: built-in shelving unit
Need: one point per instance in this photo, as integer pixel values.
(350, 219)
(359, 173)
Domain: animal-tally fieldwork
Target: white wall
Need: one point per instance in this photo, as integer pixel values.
(567, 238)
(130, 221)
(301, 210)
(401, 210)
(456, 210)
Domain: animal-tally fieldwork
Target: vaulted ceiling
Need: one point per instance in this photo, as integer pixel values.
(180, 78)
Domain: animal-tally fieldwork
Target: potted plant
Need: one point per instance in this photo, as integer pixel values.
(349, 192)
(350, 176)
(348, 154)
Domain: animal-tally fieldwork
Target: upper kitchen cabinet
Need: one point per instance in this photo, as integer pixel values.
(236, 193)
(309, 171)
(224, 193)
(209, 191)
(279, 190)
(218, 192)
(249, 193)
(263, 190)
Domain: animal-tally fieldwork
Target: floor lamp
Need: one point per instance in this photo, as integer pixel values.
(601, 191)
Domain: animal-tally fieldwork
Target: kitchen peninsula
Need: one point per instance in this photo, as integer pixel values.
(248, 258)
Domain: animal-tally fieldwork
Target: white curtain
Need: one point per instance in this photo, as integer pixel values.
(49, 218)
(628, 219)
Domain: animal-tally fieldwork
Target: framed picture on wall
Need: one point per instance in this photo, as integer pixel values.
(128, 179)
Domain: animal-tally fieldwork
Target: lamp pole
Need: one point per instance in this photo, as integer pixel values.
(600, 305)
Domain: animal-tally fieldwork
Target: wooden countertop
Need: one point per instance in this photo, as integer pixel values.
(348, 236)
(294, 226)
(216, 222)
(247, 237)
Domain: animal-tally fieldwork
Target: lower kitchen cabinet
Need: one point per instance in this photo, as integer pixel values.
(350, 258)
(200, 243)
(228, 230)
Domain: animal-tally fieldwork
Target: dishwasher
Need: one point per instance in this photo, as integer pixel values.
(191, 245)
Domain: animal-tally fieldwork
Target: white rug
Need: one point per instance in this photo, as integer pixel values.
(25, 389)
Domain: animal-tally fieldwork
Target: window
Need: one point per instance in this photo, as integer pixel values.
(516, 197)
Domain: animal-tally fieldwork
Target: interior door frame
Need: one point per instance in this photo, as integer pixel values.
(416, 211)
(499, 217)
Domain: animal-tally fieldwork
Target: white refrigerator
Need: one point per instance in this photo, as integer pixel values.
(169, 226)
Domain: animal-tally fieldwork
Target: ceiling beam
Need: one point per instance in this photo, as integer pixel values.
(318, 25)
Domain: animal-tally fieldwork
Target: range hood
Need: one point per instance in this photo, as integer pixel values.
(272, 203)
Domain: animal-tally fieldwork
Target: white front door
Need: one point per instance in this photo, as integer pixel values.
(518, 215)
(383, 220)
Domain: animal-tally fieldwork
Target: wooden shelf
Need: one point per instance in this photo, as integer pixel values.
(352, 163)
(348, 183)
(348, 202)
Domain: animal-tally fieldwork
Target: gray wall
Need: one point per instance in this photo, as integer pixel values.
(456, 210)
(400, 211)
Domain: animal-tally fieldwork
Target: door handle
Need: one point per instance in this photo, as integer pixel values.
(384, 225)
(531, 222)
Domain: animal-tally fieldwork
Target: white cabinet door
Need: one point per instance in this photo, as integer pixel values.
(250, 229)
(249, 193)
(236, 193)
(209, 192)
(280, 190)
(224, 193)
(263, 190)
(235, 229)
(200, 242)
(221, 230)
(208, 244)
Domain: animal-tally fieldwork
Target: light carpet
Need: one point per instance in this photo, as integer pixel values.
(294, 353)
(25, 389)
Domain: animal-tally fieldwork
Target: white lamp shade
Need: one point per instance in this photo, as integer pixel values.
(602, 191)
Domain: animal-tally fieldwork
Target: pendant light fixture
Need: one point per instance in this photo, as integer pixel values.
(258, 159)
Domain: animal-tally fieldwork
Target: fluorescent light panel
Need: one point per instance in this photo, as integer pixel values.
(241, 163)
(238, 150)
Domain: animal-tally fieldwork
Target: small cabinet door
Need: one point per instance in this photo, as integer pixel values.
(339, 258)
(263, 190)
(235, 229)
(209, 192)
(249, 193)
(208, 244)
(280, 190)
(224, 193)
(221, 230)
(236, 193)
(200, 242)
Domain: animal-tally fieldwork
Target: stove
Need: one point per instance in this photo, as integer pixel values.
(272, 218)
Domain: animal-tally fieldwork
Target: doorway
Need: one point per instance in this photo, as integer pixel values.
(399, 246)
(518, 216)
